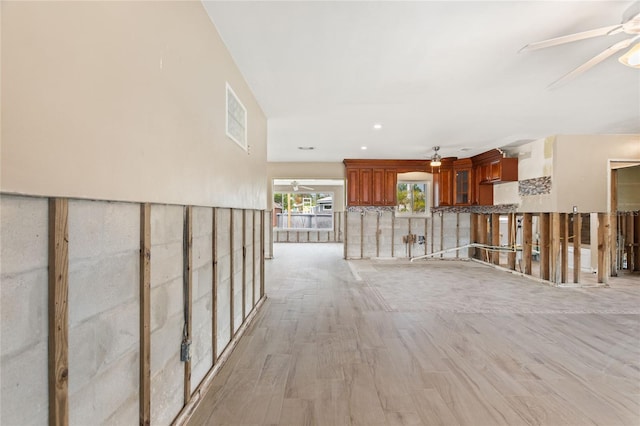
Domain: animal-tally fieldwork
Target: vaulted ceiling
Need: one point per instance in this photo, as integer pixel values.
(444, 73)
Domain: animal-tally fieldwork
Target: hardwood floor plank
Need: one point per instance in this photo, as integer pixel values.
(432, 343)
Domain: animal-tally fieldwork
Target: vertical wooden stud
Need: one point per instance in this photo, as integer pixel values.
(188, 270)
(636, 244)
(527, 242)
(495, 237)
(145, 315)
(433, 235)
(603, 248)
(545, 230)
(58, 312)
(554, 247)
(565, 237)
(577, 228)
(511, 240)
(214, 285)
(441, 233)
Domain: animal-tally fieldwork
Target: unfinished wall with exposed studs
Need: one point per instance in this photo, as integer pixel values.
(204, 284)
(380, 233)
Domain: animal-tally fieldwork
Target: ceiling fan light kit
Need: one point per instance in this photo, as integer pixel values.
(435, 159)
(632, 57)
(630, 25)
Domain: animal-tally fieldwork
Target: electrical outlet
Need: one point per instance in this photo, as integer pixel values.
(185, 351)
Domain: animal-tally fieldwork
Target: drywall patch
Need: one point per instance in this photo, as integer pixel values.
(535, 186)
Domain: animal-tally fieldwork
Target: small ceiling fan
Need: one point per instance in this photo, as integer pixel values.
(630, 25)
(296, 186)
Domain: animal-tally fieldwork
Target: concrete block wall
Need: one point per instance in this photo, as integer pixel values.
(23, 298)
(237, 269)
(167, 318)
(379, 234)
(104, 305)
(104, 300)
(223, 271)
(202, 295)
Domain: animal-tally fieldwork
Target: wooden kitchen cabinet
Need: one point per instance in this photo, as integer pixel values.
(384, 187)
(462, 182)
(374, 182)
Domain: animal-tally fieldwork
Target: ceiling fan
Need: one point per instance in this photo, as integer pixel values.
(296, 186)
(630, 25)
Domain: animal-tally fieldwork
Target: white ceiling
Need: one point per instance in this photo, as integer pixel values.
(432, 73)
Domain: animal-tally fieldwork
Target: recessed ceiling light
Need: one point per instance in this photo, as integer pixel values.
(465, 149)
(363, 148)
(377, 126)
(307, 148)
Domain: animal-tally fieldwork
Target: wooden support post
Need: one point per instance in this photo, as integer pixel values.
(527, 242)
(495, 237)
(577, 228)
(473, 235)
(603, 248)
(188, 283)
(58, 312)
(511, 256)
(564, 247)
(433, 235)
(544, 245)
(214, 285)
(145, 315)
(554, 247)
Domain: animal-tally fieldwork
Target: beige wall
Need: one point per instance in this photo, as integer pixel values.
(582, 170)
(124, 101)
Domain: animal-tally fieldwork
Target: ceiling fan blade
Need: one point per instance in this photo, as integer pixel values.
(594, 61)
(632, 12)
(612, 29)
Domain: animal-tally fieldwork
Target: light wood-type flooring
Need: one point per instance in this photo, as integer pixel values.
(428, 343)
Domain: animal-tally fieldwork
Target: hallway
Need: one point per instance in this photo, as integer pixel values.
(435, 342)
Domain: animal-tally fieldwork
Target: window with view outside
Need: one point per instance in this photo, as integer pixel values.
(413, 198)
(297, 210)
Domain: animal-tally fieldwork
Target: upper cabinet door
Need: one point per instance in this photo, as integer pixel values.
(353, 187)
(378, 197)
(390, 187)
(366, 190)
